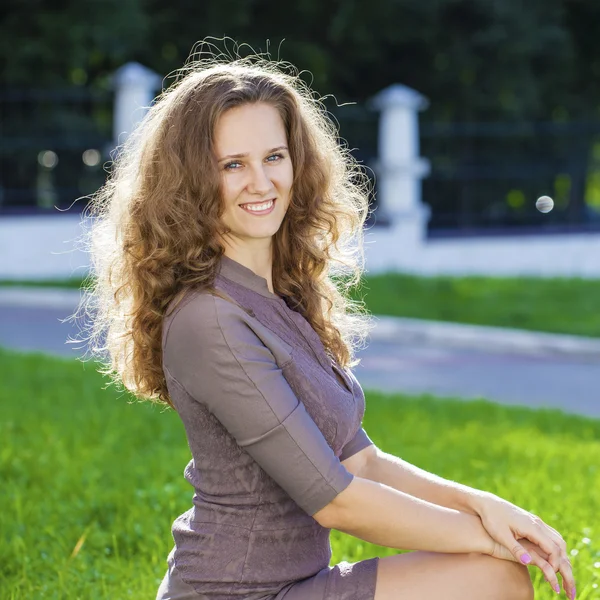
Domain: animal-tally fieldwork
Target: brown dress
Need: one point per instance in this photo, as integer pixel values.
(269, 416)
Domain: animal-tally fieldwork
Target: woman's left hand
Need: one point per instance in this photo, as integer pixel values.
(506, 523)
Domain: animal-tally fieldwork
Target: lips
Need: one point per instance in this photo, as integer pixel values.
(270, 207)
(257, 203)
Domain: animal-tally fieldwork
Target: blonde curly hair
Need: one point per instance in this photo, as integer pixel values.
(156, 221)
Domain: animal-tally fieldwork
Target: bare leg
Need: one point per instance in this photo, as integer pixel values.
(428, 575)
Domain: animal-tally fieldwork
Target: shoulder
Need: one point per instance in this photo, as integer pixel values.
(200, 311)
(203, 323)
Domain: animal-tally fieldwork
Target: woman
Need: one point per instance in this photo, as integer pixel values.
(229, 209)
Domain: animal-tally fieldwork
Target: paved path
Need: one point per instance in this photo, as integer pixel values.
(569, 382)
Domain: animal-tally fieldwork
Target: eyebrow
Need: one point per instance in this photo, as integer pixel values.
(246, 154)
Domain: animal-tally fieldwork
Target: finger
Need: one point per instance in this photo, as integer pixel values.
(547, 565)
(546, 568)
(554, 536)
(509, 540)
(566, 572)
(560, 542)
(531, 546)
(564, 566)
(537, 534)
(537, 557)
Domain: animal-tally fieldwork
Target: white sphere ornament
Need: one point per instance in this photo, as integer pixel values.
(544, 204)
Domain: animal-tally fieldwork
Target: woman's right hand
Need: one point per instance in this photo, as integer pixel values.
(504, 553)
(509, 526)
(536, 553)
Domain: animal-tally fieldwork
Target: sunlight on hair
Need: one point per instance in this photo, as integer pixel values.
(156, 222)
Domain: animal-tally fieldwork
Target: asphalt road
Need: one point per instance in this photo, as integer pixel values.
(570, 383)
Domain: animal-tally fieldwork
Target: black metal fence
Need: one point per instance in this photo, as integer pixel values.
(485, 177)
(489, 175)
(52, 148)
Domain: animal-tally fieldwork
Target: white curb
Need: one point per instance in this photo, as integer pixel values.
(482, 337)
(40, 296)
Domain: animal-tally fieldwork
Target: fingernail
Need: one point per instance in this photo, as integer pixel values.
(525, 558)
(557, 588)
(573, 594)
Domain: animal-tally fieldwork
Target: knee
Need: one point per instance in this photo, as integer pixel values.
(521, 584)
(510, 580)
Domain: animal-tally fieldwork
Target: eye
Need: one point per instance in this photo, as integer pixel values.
(230, 164)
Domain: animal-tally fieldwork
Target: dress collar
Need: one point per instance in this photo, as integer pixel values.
(238, 273)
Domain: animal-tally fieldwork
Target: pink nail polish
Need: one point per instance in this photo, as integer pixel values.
(525, 558)
(557, 588)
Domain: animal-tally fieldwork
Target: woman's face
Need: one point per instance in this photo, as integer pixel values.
(257, 181)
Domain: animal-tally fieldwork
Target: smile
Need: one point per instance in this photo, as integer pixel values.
(262, 208)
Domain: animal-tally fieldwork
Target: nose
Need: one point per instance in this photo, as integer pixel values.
(259, 183)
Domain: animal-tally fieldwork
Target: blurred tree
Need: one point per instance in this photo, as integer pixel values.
(478, 59)
(60, 43)
(582, 19)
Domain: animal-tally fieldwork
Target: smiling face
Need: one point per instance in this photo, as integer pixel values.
(256, 174)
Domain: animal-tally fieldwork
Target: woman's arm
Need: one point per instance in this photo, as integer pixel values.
(396, 473)
(379, 514)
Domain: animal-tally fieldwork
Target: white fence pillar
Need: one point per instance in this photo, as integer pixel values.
(135, 87)
(399, 168)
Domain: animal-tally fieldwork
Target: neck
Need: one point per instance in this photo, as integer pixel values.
(260, 260)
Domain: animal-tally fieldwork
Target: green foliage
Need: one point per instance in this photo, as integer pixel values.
(76, 43)
(540, 460)
(69, 283)
(91, 482)
(556, 305)
(478, 59)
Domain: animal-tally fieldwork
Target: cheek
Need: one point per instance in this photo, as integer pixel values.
(228, 190)
(287, 178)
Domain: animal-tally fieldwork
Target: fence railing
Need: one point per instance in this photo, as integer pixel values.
(484, 176)
(52, 148)
(490, 174)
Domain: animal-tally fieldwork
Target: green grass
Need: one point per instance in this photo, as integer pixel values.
(74, 283)
(556, 305)
(82, 468)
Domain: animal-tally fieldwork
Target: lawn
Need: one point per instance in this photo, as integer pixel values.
(91, 481)
(556, 305)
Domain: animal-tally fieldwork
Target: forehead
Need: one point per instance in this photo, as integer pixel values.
(249, 128)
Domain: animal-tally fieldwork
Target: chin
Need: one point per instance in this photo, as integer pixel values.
(261, 234)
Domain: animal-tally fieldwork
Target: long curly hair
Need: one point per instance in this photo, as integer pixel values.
(156, 221)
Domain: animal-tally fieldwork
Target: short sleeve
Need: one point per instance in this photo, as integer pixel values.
(360, 441)
(214, 354)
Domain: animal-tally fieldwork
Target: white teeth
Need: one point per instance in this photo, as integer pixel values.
(258, 207)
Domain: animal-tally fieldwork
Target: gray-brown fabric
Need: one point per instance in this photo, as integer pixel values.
(172, 587)
(344, 580)
(267, 423)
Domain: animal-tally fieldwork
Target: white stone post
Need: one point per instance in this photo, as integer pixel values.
(398, 168)
(135, 87)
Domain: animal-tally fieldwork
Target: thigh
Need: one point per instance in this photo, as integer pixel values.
(424, 575)
(173, 587)
(344, 581)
